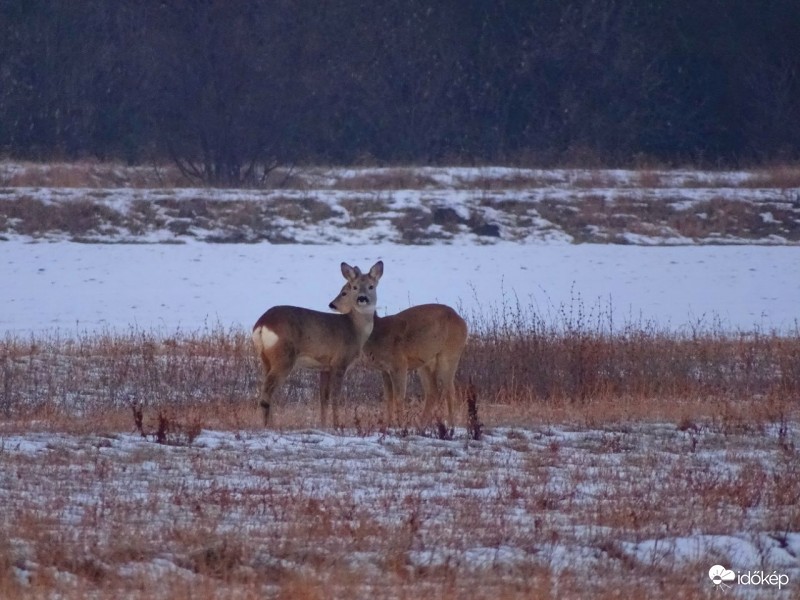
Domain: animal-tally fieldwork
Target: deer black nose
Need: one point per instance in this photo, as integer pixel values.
(331, 306)
(363, 300)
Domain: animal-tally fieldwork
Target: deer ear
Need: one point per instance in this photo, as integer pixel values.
(377, 270)
(350, 273)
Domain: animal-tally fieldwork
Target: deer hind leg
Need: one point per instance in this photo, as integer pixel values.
(276, 370)
(429, 389)
(443, 375)
(447, 373)
(388, 396)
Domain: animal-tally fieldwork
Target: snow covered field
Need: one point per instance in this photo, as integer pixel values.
(75, 287)
(548, 512)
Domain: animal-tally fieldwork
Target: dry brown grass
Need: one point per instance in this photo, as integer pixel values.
(650, 179)
(599, 218)
(90, 217)
(398, 178)
(95, 174)
(581, 363)
(593, 178)
(517, 181)
(736, 218)
(363, 211)
(525, 368)
(301, 210)
(75, 218)
(90, 174)
(779, 176)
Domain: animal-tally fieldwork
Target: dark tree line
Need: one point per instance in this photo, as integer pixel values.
(230, 88)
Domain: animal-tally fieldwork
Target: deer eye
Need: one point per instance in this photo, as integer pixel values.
(371, 287)
(344, 293)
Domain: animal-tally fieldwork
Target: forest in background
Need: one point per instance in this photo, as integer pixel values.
(229, 89)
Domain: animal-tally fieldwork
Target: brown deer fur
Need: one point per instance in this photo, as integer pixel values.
(286, 337)
(428, 338)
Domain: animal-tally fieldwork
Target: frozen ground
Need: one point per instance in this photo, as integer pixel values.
(645, 507)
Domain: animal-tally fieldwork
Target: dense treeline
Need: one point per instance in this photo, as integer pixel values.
(229, 87)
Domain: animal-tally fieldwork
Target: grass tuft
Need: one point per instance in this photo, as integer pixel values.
(474, 426)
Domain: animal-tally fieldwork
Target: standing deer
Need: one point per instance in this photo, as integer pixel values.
(428, 338)
(286, 337)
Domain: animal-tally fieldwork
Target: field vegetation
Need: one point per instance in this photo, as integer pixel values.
(607, 460)
(107, 203)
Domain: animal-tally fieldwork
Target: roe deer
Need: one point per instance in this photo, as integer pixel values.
(428, 338)
(290, 336)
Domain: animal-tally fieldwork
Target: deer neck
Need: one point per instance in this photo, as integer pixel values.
(363, 324)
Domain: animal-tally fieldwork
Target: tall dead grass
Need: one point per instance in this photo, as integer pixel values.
(97, 174)
(525, 367)
(777, 176)
(90, 174)
(583, 355)
(579, 361)
(91, 378)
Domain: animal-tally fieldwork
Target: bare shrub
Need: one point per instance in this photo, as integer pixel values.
(169, 428)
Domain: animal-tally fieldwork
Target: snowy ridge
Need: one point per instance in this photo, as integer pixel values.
(422, 206)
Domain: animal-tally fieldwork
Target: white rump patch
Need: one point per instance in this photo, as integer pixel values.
(265, 337)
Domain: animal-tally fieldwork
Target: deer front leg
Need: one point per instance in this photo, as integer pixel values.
(276, 368)
(388, 397)
(324, 394)
(432, 392)
(334, 392)
(398, 377)
(428, 381)
(272, 381)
